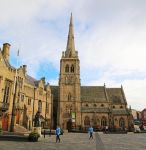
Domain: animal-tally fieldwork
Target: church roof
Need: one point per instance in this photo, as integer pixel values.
(93, 93)
(102, 94)
(115, 95)
(120, 112)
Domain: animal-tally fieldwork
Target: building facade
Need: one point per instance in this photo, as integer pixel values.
(82, 106)
(21, 96)
(143, 116)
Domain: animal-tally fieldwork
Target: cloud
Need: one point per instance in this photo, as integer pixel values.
(109, 36)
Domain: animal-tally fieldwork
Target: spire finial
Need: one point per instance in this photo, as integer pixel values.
(71, 20)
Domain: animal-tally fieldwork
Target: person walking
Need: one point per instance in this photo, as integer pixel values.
(58, 132)
(90, 131)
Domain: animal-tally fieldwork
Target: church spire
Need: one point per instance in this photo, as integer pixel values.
(70, 48)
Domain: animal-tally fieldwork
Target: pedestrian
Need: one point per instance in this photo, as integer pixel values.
(44, 133)
(58, 132)
(106, 128)
(90, 131)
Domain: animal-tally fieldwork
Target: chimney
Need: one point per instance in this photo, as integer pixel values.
(43, 79)
(6, 51)
(24, 69)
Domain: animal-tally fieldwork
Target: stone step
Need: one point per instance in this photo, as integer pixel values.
(13, 138)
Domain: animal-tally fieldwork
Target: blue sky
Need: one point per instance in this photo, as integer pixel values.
(110, 37)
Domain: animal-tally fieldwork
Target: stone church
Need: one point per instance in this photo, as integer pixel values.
(76, 106)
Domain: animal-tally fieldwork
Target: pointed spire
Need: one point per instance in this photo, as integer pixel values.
(70, 48)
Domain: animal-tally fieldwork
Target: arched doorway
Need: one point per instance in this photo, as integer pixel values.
(122, 123)
(103, 122)
(17, 116)
(87, 121)
(25, 118)
(69, 125)
(5, 119)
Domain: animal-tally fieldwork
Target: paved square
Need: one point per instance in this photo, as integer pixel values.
(80, 141)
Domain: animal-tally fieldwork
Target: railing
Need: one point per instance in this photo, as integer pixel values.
(4, 106)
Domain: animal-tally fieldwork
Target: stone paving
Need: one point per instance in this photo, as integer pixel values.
(80, 141)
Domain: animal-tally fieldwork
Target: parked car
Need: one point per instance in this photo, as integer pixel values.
(144, 127)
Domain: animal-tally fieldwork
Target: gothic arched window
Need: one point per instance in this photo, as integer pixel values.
(67, 68)
(103, 121)
(121, 123)
(72, 68)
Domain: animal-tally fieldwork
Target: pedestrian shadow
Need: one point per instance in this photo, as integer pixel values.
(99, 143)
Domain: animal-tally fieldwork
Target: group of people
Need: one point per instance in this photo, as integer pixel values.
(58, 133)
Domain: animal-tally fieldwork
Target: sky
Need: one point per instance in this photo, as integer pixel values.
(110, 37)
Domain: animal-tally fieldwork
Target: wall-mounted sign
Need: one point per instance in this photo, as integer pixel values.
(73, 115)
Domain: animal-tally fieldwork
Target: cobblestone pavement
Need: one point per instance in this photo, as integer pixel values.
(130, 141)
(80, 141)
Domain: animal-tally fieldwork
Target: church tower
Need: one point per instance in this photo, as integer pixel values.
(69, 109)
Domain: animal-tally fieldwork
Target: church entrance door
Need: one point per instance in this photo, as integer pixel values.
(5, 122)
(69, 125)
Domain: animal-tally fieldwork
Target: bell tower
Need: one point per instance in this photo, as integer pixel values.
(69, 110)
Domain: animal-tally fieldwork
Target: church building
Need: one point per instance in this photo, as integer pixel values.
(76, 106)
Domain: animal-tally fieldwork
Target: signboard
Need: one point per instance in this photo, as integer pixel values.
(73, 115)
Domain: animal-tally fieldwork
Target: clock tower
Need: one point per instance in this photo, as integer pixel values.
(69, 109)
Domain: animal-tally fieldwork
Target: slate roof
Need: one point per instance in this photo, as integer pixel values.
(115, 95)
(31, 80)
(120, 112)
(93, 93)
